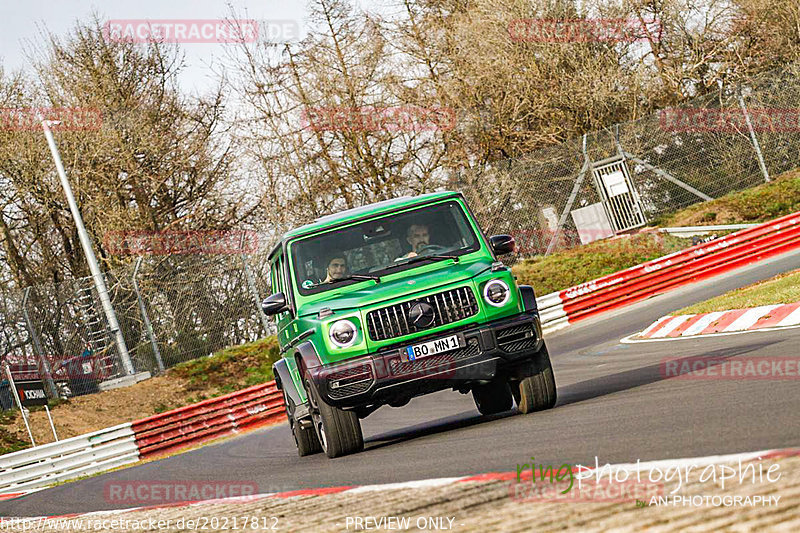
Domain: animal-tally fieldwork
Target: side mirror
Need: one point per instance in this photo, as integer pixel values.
(274, 304)
(502, 244)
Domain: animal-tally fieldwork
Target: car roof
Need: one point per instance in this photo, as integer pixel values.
(365, 211)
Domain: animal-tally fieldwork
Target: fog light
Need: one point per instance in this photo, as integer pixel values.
(342, 333)
(496, 293)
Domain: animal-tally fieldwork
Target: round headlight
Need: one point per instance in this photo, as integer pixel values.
(342, 333)
(496, 293)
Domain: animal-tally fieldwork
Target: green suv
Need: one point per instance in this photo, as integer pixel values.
(379, 304)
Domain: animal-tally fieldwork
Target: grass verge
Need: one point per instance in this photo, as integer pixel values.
(782, 289)
(759, 204)
(565, 269)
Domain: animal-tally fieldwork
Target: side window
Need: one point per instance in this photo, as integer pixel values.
(274, 278)
(279, 274)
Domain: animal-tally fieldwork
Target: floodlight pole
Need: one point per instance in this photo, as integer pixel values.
(86, 243)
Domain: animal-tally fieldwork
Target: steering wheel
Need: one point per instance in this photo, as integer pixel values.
(431, 249)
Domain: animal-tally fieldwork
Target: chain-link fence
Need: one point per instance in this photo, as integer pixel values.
(170, 308)
(731, 140)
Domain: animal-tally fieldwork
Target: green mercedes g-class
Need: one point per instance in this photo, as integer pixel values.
(379, 304)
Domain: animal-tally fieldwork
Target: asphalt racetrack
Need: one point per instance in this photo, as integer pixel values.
(614, 404)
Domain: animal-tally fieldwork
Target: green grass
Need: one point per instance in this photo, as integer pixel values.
(565, 269)
(230, 369)
(9, 442)
(782, 289)
(758, 204)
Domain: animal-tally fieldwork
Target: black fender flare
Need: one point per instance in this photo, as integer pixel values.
(284, 381)
(528, 299)
(306, 357)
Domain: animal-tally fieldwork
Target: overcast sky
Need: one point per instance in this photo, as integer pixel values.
(21, 22)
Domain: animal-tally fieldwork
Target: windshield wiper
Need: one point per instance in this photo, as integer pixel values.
(437, 257)
(357, 277)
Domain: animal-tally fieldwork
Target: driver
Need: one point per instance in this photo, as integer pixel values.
(418, 236)
(336, 268)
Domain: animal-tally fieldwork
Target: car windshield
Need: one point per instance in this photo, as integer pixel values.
(381, 246)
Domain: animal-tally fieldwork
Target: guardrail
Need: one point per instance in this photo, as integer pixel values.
(210, 419)
(67, 459)
(691, 231)
(702, 261)
(163, 433)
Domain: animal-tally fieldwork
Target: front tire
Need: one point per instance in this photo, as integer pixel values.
(536, 392)
(493, 398)
(306, 440)
(339, 431)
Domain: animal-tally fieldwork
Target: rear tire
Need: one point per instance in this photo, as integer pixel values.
(536, 392)
(493, 398)
(338, 431)
(306, 440)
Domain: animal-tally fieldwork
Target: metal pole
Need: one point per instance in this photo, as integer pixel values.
(753, 137)
(52, 426)
(659, 172)
(572, 196)
(37, 347)
(88, 251)
(251, 283)
(13, 387)
(150, 334)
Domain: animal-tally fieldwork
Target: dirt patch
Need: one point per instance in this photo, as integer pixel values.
(93, 412)
(227, 371)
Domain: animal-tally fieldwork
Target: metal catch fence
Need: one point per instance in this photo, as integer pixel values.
(626, 176)
(170, 308)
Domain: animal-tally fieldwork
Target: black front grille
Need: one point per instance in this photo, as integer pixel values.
(350, 381)
(449, 306)
(516, 338)
(398, 367)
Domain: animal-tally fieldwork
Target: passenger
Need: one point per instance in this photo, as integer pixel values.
(336, 268)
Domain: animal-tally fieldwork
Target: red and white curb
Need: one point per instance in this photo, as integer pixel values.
(440, 482)
(763, 318)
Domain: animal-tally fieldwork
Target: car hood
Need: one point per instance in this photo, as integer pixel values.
(407, 285)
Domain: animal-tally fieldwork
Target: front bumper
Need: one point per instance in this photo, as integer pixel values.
(508, 346)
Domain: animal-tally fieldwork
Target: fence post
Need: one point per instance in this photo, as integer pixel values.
(37, 347)
(148, 326)
(575, 189)
(753, 137)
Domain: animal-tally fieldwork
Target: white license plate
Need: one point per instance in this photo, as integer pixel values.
(433, 347)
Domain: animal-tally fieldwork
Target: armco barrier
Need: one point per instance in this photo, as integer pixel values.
(672, 271)
(128, 443)
(187, 426)
(68, 459)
